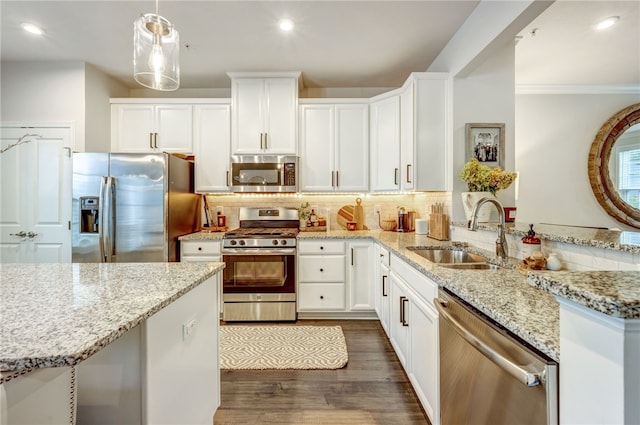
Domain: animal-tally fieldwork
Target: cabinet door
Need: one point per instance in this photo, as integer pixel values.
(424, 357)
(132, 128)
(352, 147)
(384, 297)
(212, 144)
(361, 282)
(174, 125)
(432, 139)
(248, 115)
(398, 320)
(385, 145)
(317, 172)
(281, 102)
(407, 169)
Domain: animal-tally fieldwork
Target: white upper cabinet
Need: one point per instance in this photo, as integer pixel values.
(334, 147)
(264, 113)
(385, 144)
(407, 146)
(212, 144)
(426, 119)
(140, 127)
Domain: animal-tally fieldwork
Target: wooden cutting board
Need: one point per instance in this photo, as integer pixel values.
(358, 214)
(345, 214)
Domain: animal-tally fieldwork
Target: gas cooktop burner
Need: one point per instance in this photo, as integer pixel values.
(261, 233)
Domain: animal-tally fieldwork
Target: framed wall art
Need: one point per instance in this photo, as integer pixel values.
(485, 142)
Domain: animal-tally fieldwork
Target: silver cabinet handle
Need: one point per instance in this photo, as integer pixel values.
(384, 286)
(266, 141)
(395, 176)
(228, 178)
(151, 140)
(155, 140)
(337, 178)
(527, 378)
(261, 140)
(408, 173)
(333, 179)
(352, 257)
(20, 234)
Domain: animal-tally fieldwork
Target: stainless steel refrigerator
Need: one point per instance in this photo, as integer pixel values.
(131, 207)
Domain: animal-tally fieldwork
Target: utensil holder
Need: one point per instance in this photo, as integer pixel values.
(439, 227)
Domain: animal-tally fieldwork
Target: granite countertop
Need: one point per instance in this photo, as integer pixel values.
(613, 293)
(503, 295)
(60, 314)
(583, 236)
(202, 236)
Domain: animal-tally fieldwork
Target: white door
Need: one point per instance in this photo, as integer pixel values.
(35, 207)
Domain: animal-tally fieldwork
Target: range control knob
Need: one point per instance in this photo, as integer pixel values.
(283, 242)
(233, 242)
(242, 242)
(275, 242)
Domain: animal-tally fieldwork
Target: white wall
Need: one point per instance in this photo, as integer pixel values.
(484, 96)
(99, 88)
(44, 92)
(72, 92)
(554, 133)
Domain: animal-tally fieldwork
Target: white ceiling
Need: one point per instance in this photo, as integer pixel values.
(334, 43)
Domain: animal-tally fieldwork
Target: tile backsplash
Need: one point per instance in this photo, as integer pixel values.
(327, 205)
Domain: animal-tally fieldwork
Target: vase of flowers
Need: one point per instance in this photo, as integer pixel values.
(482, 181)
(303, 214)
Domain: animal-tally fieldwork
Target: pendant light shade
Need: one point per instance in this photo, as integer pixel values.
(156, 51)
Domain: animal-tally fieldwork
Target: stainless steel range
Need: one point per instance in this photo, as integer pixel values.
(259, 279)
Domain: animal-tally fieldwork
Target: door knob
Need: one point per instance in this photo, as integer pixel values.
(20, 234)
(32, 235)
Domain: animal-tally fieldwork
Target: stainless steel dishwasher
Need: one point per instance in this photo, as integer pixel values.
(486, 375)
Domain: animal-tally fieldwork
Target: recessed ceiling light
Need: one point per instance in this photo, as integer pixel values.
(286, 24)
(32, 28)
(607, 23)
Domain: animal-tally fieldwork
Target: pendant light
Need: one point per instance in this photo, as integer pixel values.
(156, 49)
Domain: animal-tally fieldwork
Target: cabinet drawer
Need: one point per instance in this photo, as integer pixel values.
(321, 296)
(200, 247)
(320, 247)
(321, 268)
(200, 258)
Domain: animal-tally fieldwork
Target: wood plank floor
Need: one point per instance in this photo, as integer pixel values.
(371, 389)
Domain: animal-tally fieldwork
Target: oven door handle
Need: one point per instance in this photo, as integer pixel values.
(258, 251)
(525, 377)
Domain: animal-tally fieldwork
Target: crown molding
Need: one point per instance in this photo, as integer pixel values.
(577, 89)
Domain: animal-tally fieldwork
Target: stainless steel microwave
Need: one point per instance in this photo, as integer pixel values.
(264, 173)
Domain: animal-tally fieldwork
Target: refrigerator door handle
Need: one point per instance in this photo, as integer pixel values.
(109, 235)
(102, 224)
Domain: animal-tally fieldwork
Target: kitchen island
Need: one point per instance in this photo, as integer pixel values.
(123, 342)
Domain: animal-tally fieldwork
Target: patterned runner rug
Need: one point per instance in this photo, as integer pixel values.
(282, 347)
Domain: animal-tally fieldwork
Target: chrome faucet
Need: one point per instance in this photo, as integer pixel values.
(501, 242)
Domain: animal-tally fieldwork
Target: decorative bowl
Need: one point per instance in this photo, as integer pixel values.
(389, 225)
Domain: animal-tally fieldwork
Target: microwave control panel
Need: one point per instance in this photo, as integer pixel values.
(290, 174)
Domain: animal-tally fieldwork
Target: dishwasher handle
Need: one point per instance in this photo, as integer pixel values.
(527, 378)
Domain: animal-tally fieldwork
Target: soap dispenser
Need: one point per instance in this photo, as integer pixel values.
(530, 243)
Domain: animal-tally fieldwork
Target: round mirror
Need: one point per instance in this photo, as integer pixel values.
(614, 166)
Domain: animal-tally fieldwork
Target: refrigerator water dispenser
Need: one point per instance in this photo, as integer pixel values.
(89, 220)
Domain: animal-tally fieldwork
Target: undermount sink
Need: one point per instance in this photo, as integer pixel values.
(448, 256)
(454, 258)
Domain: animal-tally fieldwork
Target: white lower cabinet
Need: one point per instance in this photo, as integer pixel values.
(335, 276)
(321, 276)
(203, 251)
(361, 277)
(412, 328)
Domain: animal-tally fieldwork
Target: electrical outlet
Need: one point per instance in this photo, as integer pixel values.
(188, 328)
(377, 210)
(220, 210)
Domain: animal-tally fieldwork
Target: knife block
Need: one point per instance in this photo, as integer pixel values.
(439, 227)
